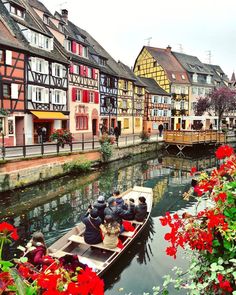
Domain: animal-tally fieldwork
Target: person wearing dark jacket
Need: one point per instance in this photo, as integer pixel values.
(119, 200)
(92, 221)
(117, 212)
(141, 210)
(100, 205)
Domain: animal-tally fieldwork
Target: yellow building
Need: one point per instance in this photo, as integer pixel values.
(161, 65)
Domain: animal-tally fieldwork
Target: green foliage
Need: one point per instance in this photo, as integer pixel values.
(62, 136)
(144, 135)
(106, 150)
(77, 167)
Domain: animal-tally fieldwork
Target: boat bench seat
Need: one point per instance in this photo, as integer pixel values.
(135, 221)
(128, 234)
(80, 240)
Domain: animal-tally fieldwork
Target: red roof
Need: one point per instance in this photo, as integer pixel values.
(175, 72)
(7, 38)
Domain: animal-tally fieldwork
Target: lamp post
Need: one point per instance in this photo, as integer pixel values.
(109, 109)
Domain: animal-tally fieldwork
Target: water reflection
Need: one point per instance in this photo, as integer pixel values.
(58, 205)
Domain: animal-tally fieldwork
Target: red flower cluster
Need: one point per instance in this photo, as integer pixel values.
(8, 230)
(224, 284)
(193, 171)
(224, 151)
(221, 197)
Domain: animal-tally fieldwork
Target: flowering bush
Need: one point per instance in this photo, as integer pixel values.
(145, 136)
(106, 142)
(22, 277)
(63, 136)
(210, 234)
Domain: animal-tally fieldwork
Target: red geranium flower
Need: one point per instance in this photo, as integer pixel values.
(224, 151)
(171, 251)
(193, 170)
(8, 229)
(221, 196)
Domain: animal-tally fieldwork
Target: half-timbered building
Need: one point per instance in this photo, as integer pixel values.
(12, 84)
(108, 84)
(157, 108)
(46, 103)
(161, 65)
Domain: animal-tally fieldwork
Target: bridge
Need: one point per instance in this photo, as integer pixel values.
(182, 139)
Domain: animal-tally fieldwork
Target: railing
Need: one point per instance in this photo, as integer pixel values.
(194, 137)
(83, 143)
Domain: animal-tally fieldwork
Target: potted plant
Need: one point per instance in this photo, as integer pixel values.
(62, 137)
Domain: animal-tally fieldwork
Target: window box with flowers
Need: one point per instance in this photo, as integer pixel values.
(62, 137)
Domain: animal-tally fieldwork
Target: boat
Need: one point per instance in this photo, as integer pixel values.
(98, 256)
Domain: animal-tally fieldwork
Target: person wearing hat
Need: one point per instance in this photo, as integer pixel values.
(92, 221)
(100, 205)
(117, 212)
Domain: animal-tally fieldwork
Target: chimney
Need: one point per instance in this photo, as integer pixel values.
(168, 48)
(64, 14)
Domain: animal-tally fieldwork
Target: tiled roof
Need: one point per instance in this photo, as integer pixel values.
(40, 6)
(153, 87)
(191, 63)
(7, 37)
(167, 60)
(218, 73)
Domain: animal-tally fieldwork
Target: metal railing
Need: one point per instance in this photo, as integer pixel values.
(84, 143)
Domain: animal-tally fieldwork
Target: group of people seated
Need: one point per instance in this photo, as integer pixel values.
(104, 221)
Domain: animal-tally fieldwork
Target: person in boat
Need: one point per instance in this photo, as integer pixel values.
(119, 200)
(37, 250)
(110, 231)
(100, 205)
(130, 205)
(141, 210)
(92, 221)
(117, 212)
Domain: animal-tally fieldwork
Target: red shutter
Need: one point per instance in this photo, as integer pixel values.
(81, 70)
(86, 71)
(80, 50)
(74, 46)
(73, 94)
(85, 95)
(71, 68)
(96, 100)
(94, 74)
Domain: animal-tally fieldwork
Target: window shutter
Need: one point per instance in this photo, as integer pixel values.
(64, 97)
(96, 99)
(9, 57)
(85, 96)
(14, 91)
(71, 69)
(46, 95)
(81, 70)
(33, 64)
(53, 69)
(73, 94)
(80, 50)
(33, 93)
(74, 46)
(86, 71)
(94, 74)
(45, 67)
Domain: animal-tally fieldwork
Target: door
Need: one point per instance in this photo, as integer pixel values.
(19, 130)
(94, 126)
(119, 126)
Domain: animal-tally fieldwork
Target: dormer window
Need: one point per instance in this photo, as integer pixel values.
(173, 76)
(85, 52)
(17, 11)
(102, 62)
(46, 19)
(208, 79)
(61, 27)
(195, 77)
(68, 45)
(183, 77)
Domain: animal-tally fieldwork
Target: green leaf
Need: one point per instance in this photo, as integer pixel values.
(21, 248)
(18, 281)
(216, 243)
(5, 265)
(227, 245)
(23, 259)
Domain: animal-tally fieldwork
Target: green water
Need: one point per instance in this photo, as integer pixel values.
(56, 206)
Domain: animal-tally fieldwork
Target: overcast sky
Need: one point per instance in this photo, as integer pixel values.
(122, 27)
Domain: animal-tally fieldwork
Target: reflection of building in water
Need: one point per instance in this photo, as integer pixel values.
(159, 190)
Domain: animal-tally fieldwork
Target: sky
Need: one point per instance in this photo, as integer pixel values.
(195, 27)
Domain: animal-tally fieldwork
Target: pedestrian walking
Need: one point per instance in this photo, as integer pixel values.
(160, 128)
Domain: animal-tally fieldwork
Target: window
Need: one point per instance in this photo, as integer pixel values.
(155, 99)
(89, 73)
(194, 90)
(102, 61)
(208, 79)
(85, 52)
(9, 57)
(91, 96)
(78, 95)
(19, 13)
(14, 91)
(46, 19)
(124, 104)
(138, 106)
(1, 124)
(183, 77)
(138, 68)
(195, 77)
(16, 11)
(10, 127)
(125, 85)
(59, 97)
(154, 64)
(58, 70)
(39, 65)
(173, 76)
(81, 122)
(137, 122)
(173, 89)
(6, 90)
(126, 123)
(60, 27)
(182, 104)
(13, 9)
(39, 94)
(201, 91)
(69, 45)
(1, 56)
(155, 112)
(165, 113)
(76, 69)
(140, 90)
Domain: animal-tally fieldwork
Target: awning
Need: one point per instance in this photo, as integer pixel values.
(49, 115)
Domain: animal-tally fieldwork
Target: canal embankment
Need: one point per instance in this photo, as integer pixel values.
(23, 172)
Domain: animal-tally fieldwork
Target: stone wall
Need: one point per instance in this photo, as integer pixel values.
(23, 173)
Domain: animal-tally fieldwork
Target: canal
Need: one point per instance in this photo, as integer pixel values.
(56, 206)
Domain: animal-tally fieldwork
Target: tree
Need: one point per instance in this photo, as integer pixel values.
(219, 102)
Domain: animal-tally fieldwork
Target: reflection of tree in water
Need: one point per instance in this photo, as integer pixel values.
(140, 248)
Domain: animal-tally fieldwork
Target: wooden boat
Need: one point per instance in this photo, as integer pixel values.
(98, 256)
